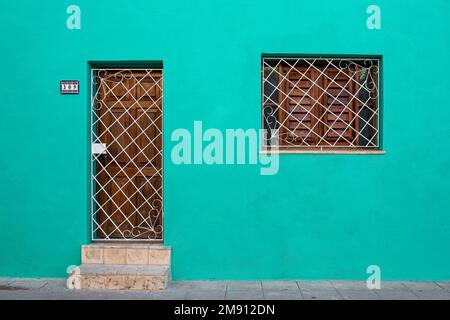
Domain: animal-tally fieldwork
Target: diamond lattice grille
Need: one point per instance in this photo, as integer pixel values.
(126, 133)
(321, 103)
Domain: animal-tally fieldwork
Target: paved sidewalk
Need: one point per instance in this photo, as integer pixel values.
(234, 290)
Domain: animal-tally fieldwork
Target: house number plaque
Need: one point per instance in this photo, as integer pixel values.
(69, 87)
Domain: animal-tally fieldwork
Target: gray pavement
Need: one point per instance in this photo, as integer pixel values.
(32, 289)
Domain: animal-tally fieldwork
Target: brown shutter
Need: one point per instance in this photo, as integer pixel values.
(339, 113)
(299, 110)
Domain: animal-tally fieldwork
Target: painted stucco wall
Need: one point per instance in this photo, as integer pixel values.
(320, 217)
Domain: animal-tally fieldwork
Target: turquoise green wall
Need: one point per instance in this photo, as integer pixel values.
(229, 222)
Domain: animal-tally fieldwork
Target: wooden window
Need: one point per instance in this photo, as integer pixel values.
(321, 104)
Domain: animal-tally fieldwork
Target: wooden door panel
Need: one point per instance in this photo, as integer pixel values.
(119, 136)
(118, 88)
(149, 201)
(148, 143)
(120, 205)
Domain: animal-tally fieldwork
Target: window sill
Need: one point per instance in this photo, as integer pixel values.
(351, 152)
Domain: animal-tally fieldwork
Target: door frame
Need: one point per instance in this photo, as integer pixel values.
(95, 66)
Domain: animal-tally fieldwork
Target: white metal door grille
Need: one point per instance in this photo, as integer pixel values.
(316, 103)
(127, 154)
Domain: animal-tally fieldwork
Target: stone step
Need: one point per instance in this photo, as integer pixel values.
(123, 277)
(126, 254)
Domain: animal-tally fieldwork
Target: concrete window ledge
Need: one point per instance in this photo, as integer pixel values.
(350, 152)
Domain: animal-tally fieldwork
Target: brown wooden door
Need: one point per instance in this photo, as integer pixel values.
(128, 176)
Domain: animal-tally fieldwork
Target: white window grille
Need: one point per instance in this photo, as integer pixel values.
(126, 154)
(321, 103)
